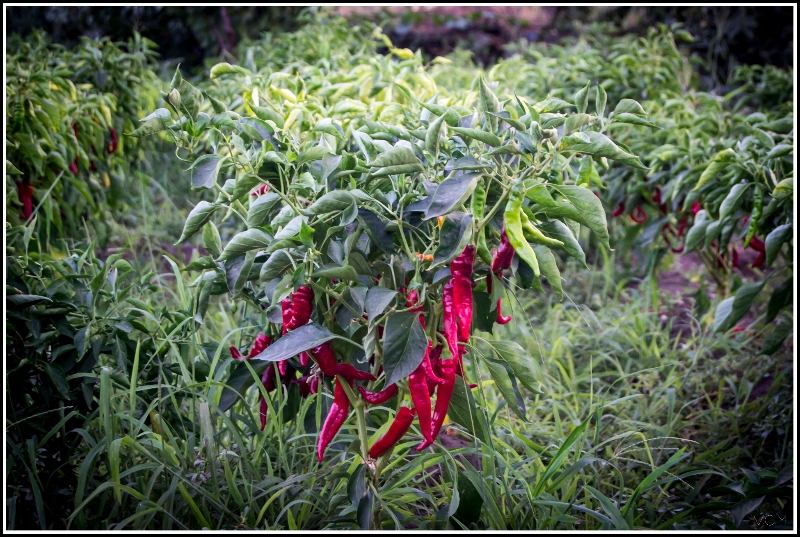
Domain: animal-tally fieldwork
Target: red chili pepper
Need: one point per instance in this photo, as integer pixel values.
(682, 227)
(74, 166)
(449, 321)
(435, 353)
(759, 260)
(500, 319)
(503, 254)
(325, 358)
(268, 380)
(111, 147)
(397, 430)
(25, 195)
(412, 298)
(638, 215)
(619, 210)
(739, 329)
(757, 245)
(336, 418)
(301, 306)
(427, 365)
(735, 258)
(307, 385)
(286, 315)
(378, 398)
(75, 129)
(745, 220)
(461, 270)
(695, 208)
(351, 373)
(444, 392)
(679, 249)
(258, 191)
(421, 396)
(235, 353)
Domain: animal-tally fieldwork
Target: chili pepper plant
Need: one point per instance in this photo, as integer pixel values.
(378, 251)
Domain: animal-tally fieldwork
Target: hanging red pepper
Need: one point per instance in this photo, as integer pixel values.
(503, 254)
(268, 380)
(461, 270)
(74, 166)
(397, 430)
(449, 321)
(695, 208)
(25, 195)
(301, 306)
(326, 359)
(759, 246)
(444, 392)
(412, 298)
(435, 353)
(500, 319)
(638, 215)
(258, 191)
(682, 227)
(735, 258)
(378, 398)
(111, 147)
(259, 345)
(619, 210)
(307, 385)
(335, 419)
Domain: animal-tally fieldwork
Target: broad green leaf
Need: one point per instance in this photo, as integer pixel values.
(433, 136)
(404, 344)
(250, 239)
(781, 298)
(774, 340)
(594, 143)
(260, 209)
(697, 232)
(549, 268)
(151, 126)
(317, 152)
(582, 99)
(732, 309)
(558, 230)
(334, 201)
(25, 301)
(733, 200)
(775, 240)
(576, 121)
(519, 360)
(345, 273)
(551, 105)
(715, 167)
(784, 189)
(497, 369)
(377, 298)
(464, 411)
(268, 114)
(197, 218)
(292, 228)
(633, 120)
(224, 68)
(211, 240)
(451, 193)
(276, 265)
(589, 210)
(398, 156)
(456, 232)
(205, 170)
(629, 106)
(600, 101)
(486, 137)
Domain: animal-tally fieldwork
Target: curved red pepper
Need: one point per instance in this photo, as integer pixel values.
(619, 210)
(759, 260)
(259, 345)
(428, 366)
(301, 307)
(378, 398)
(25, 195)
(286, 314)
(449, 321)
(412, 298)
(638, 215)
(735, 258)
(111, 147)
(335, 419)
(351, 373)
(235, 353)
(461, 269)
(444, 392)
(503, 254)
(74, 166)
(682, 227)
(435, 353)
(421, 396)
(307, 385)
(258, 191)
(325, 358)
(695, 208)
(396, 431)
(500, 319)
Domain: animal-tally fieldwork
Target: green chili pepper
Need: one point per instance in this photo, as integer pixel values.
(533, 234)
(755, 215)
(477, 206)
(513, 223)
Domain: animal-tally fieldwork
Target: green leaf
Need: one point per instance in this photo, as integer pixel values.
(780, 150)
(783, 125)
(784, 189)
(464, 411)
(251, 239)
(224, 68)
(774, 340)
(318, 152)
(611, 510)
(334, 201)
(781, 298)
(629, 106)
(456, 232)
(576, 121)
(377, 298)
(292, 228)
(582, 99)
(205, 170)
(589, 210)
(274, 267)
(551, 105)
(716, 165)
(697, 232)
(548, 268)
(594, 143)
(600, 101)
(732, 309)
(497, 369)
(404, 344)
(397, 156)
(211, 240)
(519, 360)
(561, 455)
(11, 169)
(433, 136)
(633, 120)
(559, 230)
(451, 193)
(482, 136)
(260, 209)
(733, 200)
(345, 273)
(244, 273)
(775, 240)
(198, 217)
(151, 126)
(328, 126)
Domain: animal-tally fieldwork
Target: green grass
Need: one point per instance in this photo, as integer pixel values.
(631, 427)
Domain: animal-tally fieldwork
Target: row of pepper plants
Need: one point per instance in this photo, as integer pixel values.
(66, 111)
(720, 164)
(382, 233)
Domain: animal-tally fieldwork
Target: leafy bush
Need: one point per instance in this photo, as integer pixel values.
(66, 112)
